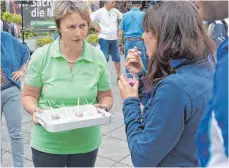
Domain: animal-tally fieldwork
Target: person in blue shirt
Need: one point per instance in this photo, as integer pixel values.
(174, 91)
(14, 56)
(212, 136)
(217, 30)
(55, 35)
(131, 29)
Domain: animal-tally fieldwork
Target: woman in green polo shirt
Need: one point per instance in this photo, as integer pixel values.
(63, 71)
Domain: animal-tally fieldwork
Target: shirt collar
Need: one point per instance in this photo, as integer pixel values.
(174, 63)
(135, 9)
(86, 55)
(107, 9)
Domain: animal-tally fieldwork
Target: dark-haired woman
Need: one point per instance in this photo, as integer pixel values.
(175, 90)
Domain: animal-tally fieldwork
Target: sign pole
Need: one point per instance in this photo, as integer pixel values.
(22, 25)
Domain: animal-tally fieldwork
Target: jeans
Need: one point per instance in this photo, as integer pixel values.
(12, 109)
(110, 47)
(129, 44)
(41, 159)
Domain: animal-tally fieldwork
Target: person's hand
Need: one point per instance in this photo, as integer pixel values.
(133, 61)
(16, 75)
(34, 115)
(121, 49)
(126, 90)
(101, 106)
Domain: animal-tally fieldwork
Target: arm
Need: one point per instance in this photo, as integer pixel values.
(220, 97)
(120, 36)
(121, 32)
(33, 83)
(20, 73)
(148, 137)
(23, 55)
(105, 99)
(119, 20)
(119, 14)
(94, 21)
(96, 27)
(30, 97)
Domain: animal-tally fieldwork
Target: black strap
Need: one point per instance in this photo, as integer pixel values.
(225, 26)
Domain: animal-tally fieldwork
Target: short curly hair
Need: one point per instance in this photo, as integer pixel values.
(63, 8)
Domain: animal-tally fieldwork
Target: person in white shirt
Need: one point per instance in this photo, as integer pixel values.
(107, 18)
(1, 25)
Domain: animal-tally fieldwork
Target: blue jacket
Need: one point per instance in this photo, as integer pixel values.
(213, 145)
(13, 55)
(164, 133)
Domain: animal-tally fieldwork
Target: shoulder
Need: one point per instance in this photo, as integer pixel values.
(99, 11)
(126, 14)
(13, 42)
(168, 83)
(223, 50)
(96, 54)
(41, 53)
(169, 90)
(173, 85)
(95, 13)
(125, 17)
(142, 13)
(116, 11)
(5, 36)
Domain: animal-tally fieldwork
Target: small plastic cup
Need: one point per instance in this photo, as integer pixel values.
(131, 78)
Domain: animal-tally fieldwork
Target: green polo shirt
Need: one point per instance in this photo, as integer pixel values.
(48, 69)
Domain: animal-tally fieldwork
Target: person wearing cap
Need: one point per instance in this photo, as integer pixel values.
(212, 136)
(131, 29)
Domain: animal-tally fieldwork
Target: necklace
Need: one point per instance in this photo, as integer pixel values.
(70, 62)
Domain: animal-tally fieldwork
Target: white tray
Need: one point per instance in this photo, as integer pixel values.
(69, 118)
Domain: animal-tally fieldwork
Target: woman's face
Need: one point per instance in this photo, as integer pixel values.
(73, 29)
(150, 43)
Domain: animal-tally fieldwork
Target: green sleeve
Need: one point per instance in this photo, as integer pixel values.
(33, 76)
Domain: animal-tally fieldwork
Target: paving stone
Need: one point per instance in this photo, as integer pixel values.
(115, 90)
(103, 162)
(26, 118)
(113, 149)
(26, 113)
(117, 105)
(3, 120)
(118, 133)
(127, 161)
(121, 165)
(28, 163)
(116, 122)
(6, 143)
(3, 151)
(27, 127)
(3, 128)
(27, 152)
(7, 161)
